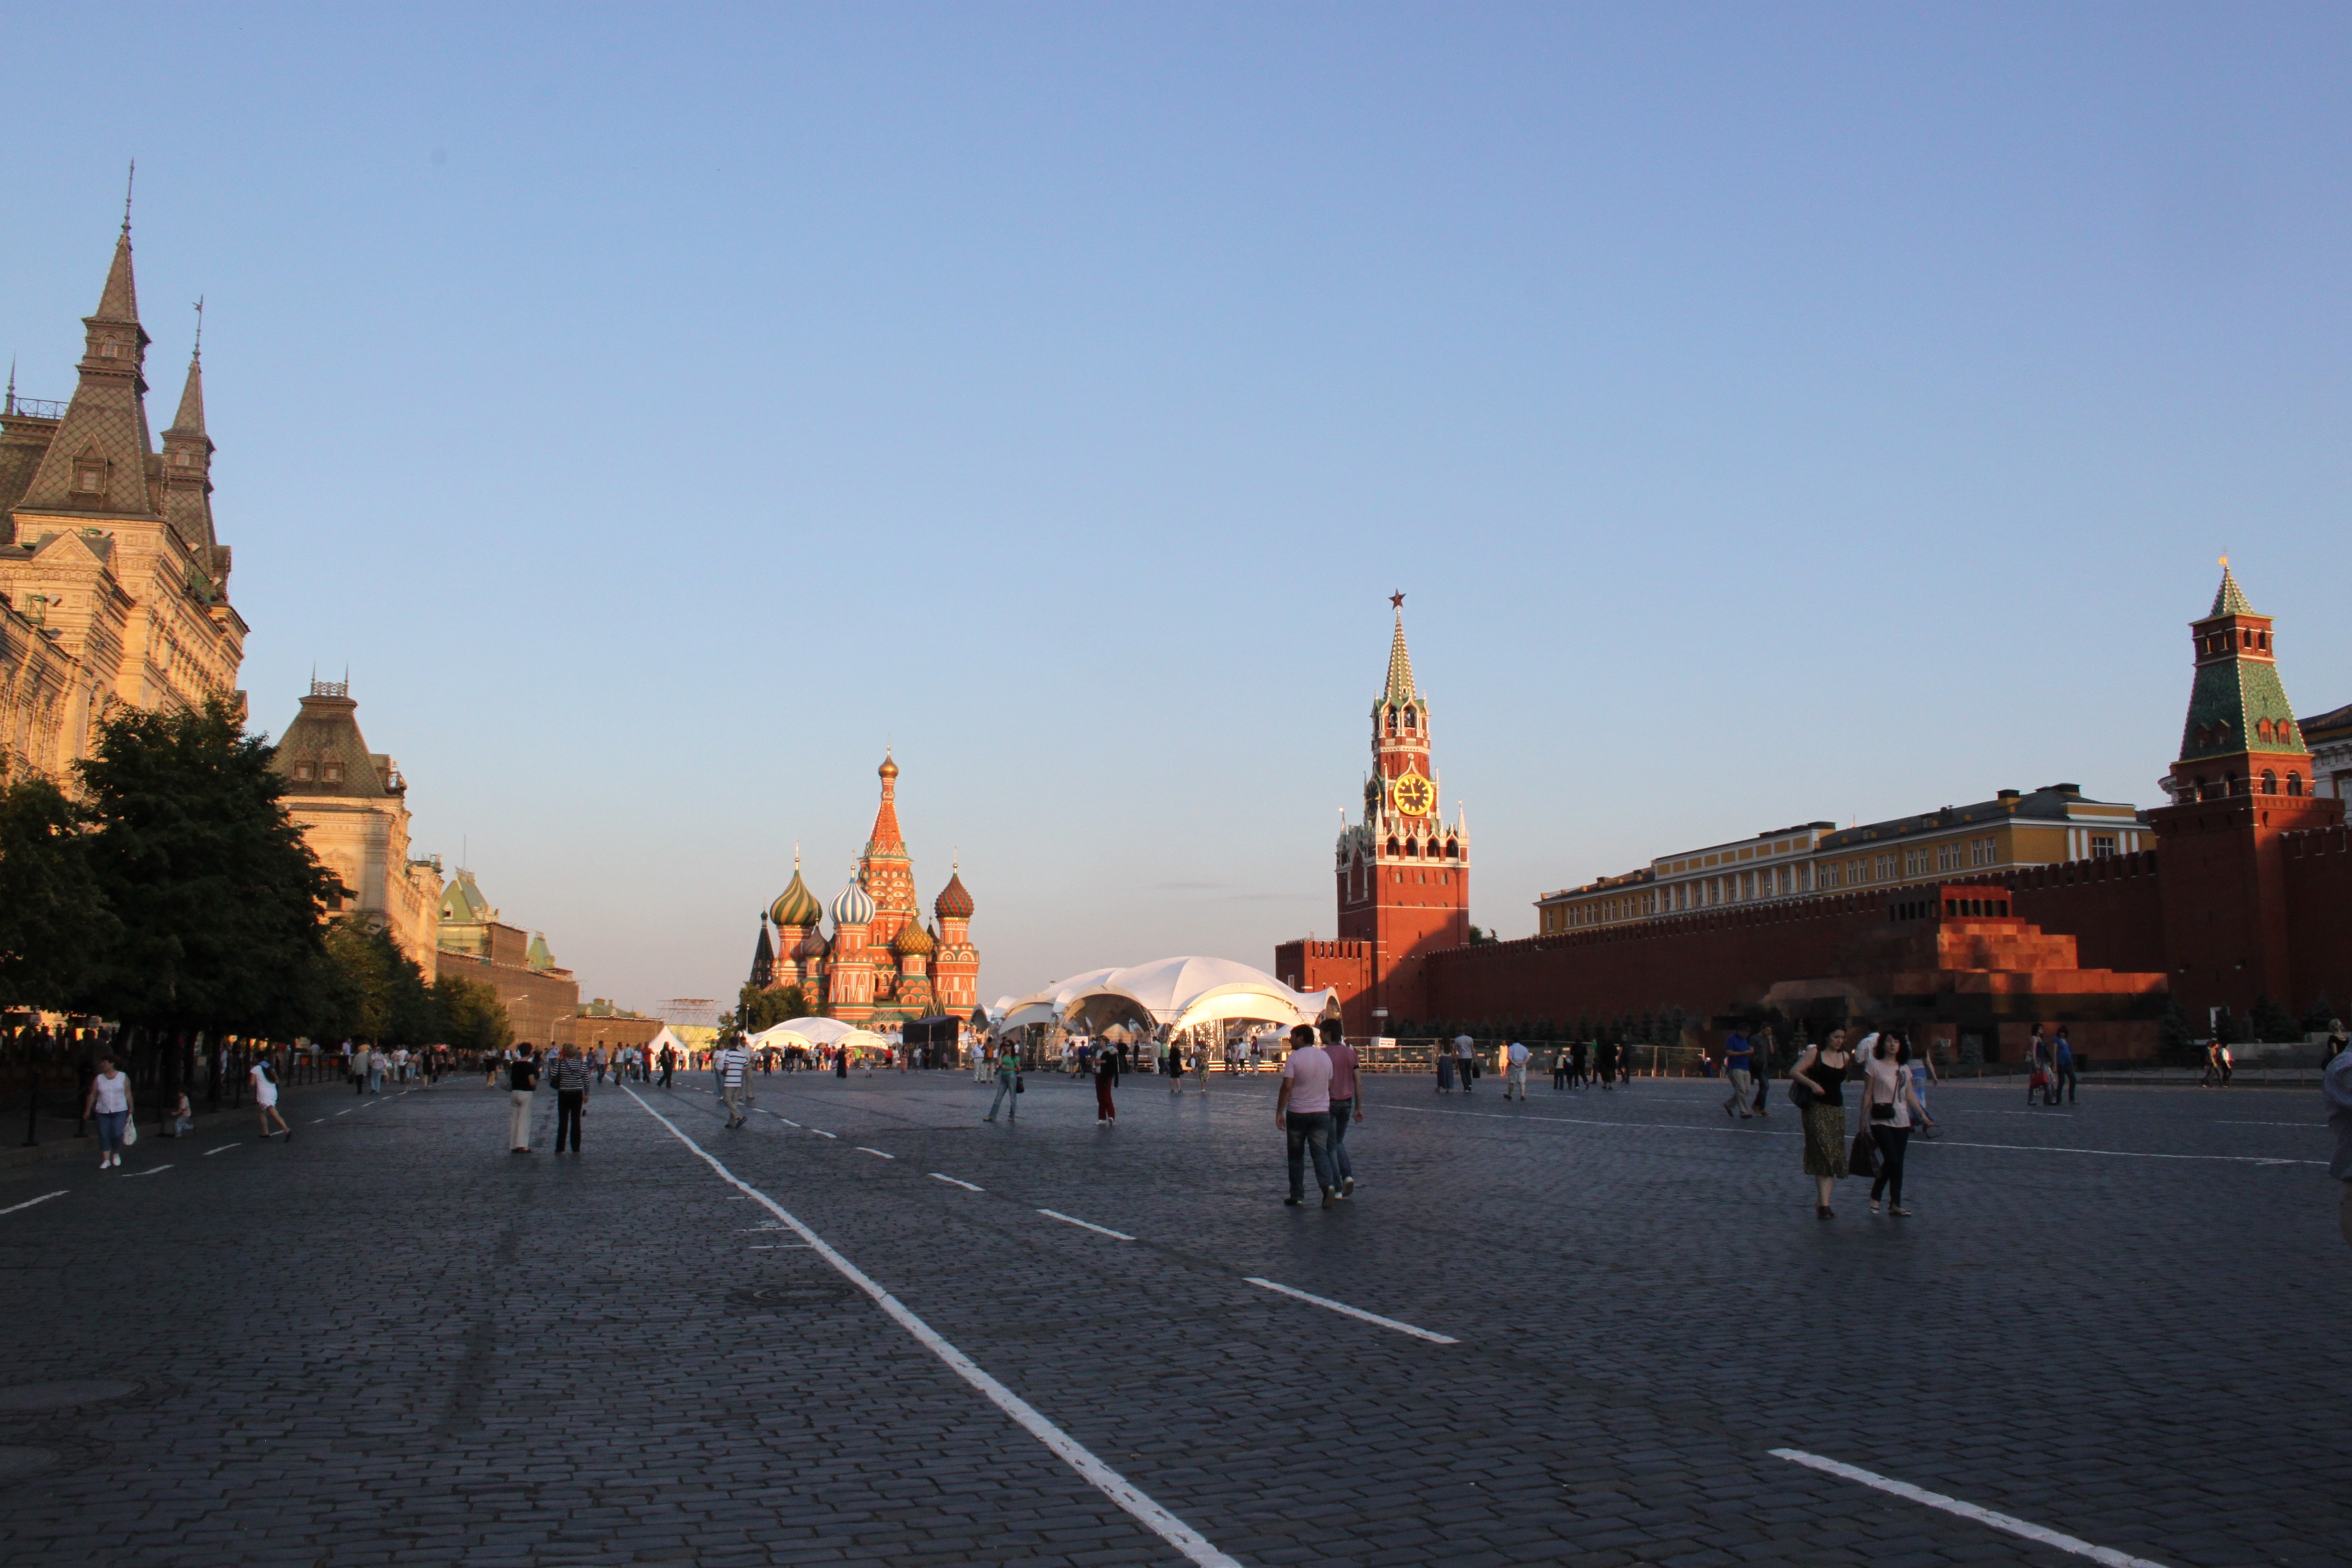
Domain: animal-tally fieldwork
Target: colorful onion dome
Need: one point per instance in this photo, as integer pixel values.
(854, 907)
(913, 940)
(954, 903)
(811, 948)
(796, 906)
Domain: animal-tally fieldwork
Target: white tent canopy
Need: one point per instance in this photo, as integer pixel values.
(1176, 993)
(809, 1034)
(654, 1047)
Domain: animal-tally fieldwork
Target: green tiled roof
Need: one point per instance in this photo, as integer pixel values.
(2229, 599)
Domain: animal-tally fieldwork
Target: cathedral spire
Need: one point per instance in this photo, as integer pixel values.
(188, 461)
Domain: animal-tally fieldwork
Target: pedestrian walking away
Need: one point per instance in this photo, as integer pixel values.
(265, 1098)
(1008, 1083)
(1346, 1103)
(110, 1101)
(571, 1073)
(522, 1077)
(1890, 1111)
(1515, 1071)
(2061, 1062)
(669, 1063)
(1172, 1063)
(1737, 1056)
(2337, 1086)
(1604, 1063)
(1445, 1070)
(732, 1062)
(1466, 1062)
(1763, 1055)
(1817, 1085)
(1559, 1059)
(1579, 1073)
(1107, 1066)
(1302, 1111)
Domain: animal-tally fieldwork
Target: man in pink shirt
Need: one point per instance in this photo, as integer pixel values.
(1346, 1105)
(1303, 1111)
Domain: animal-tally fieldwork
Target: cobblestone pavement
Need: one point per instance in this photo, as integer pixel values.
(389, 1341)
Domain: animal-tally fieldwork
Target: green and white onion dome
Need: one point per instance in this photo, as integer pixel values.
(796, 906)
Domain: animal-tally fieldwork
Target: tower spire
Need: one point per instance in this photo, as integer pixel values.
(99, 460)
(1399, 687)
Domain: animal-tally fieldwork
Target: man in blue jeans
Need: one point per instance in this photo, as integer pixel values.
(1303, 1111)
(2062, 1052)
(1346, 1103)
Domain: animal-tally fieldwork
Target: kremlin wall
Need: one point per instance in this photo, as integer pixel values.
(2239, 890)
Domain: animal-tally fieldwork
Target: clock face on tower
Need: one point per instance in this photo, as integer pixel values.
(1414, 796)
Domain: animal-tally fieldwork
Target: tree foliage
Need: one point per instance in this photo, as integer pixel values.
(764, 1009)
(221, 904)
(54, 919)
(473, 1019)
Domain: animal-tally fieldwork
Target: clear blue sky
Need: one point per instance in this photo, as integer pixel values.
(1773, 412)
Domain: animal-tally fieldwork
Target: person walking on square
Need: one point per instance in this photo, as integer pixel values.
(1106, 1079)
(2212, 1077)
(1763, 1055)
(1008, 1082)
(1171, 1062)
(1604, 1063)
(265, 1098)
(732, 1062)
(1302, 1112)
(109, 1100)
(1444, 1068)
(1466, 1062)
(1821, 1073)
(2062, 1067)
(1887, 1106)
(1559, 1059)
(669, 1063)
(2228, 1064)
(1737, 1056)
(571, 1074)
(375, 1063)
(1579, 1064)
(2335, 1085)
(1515, 1073)
(1346, 1103)
(522, 1077)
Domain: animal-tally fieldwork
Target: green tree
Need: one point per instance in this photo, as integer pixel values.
(2322, 1014)
(55, 925)
(764, 1009)
(2272, 1022)
(473, 1020)
(222, 903)
(2176, 1036)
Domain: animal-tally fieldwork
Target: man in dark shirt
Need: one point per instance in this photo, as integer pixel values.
(522, 1077)
(669, 1063)
(571, 1074)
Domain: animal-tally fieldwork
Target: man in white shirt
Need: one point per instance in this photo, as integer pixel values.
(732, 1063)
(1514, 1061)
(1465, 1060)
(1303, 1111)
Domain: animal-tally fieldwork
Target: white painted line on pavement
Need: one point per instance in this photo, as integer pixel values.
(821, 1132)
(222, 1150)
(347, 1109)
(951, 1181)
(864, 1150)
(1354, 1312)
(2034, 1532)
(785, 1120)
(2270, 1124)
(2124, 1153)
(1068, 1449)
(151, 1171)
(316, 1120)
(28, 1203)
(1100, 1230)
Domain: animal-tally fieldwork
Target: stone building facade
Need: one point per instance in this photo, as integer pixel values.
(352, 807)
(541, 997)
(113, 586)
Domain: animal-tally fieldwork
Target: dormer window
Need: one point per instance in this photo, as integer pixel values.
(331, 773)
(89, 476)
(109, 348)
(303, 773)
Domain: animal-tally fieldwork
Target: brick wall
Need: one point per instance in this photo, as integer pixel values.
(2319, 901)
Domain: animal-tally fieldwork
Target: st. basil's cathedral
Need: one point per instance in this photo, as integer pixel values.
(882, 966)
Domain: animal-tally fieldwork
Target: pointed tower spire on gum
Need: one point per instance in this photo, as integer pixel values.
(97, 463)
(188, 463)
(887, 872)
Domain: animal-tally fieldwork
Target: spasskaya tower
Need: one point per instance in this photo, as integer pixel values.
(1403, 872)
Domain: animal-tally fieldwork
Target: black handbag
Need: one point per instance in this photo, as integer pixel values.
(1801, 1093)
(1863, 1159)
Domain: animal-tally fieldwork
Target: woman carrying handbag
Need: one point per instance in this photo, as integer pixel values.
(1888, 1104)
(1817, 1085)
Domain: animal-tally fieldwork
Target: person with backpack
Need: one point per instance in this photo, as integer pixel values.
(265, 1098)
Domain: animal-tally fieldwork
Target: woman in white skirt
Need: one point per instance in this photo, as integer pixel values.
(265, 1097)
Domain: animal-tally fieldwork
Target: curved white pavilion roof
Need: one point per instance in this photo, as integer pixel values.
(1175, 992)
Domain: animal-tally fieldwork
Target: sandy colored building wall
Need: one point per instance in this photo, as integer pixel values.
(542, 1004)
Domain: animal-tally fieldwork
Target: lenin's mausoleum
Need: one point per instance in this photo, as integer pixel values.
(2238, 892)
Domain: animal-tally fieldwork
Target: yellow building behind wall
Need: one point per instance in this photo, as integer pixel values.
(2053, 823)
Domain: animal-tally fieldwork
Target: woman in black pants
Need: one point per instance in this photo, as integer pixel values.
(1890, 1108)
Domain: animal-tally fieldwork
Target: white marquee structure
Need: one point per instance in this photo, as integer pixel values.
(1171, 993)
